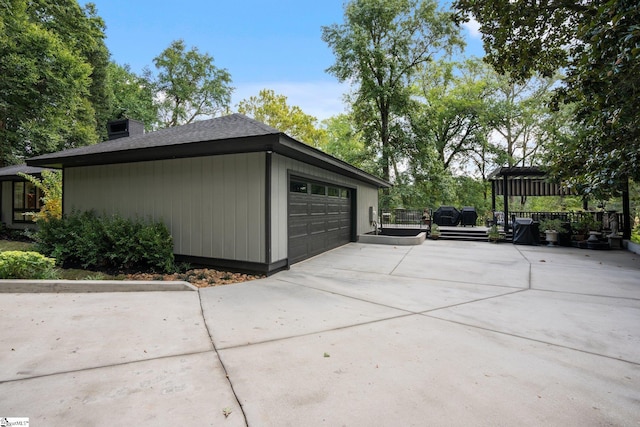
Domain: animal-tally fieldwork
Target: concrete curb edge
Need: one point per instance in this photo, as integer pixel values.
(81, 286)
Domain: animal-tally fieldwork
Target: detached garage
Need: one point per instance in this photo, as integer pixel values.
(234, 192)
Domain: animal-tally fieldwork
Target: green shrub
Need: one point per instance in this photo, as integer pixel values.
(635, 235)
(112, 242)
(26, 265)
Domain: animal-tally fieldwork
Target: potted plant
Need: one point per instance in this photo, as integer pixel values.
(585, 224)
(493, 234)
(551, 228)
(578, 231)
(435, 231)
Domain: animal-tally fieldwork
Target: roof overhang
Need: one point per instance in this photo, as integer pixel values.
(10, 173)
(516, 171)
(277, 143)
(526, 181)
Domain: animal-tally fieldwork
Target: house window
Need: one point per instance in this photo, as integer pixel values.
(26, 199)
(344, 193)
(320, 190)
(334, 192)
(298, 187)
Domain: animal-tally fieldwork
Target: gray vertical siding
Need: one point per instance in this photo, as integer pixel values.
(367, 195)
(214, 206)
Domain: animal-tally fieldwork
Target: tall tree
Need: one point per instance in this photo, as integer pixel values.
(273, 110)
(517, 113)
(451, 111)
(380, 47)
(597, 44)
(345, 142)
(190, 85)
(47, 90)
(83, 31)
(132, 95)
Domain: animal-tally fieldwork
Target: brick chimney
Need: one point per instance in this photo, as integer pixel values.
(123, 128)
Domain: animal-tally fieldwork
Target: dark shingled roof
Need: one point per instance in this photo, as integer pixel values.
(235, 133)
(10, 173)
(227, 127)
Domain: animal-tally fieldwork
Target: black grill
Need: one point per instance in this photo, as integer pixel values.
(469, 216)
(447, 215)
(525, 232)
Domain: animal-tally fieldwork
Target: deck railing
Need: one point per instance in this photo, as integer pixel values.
(402, 217)
(605, 218)
(414, 217)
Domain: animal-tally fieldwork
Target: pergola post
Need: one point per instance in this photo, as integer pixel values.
(493, 196)
(505, 193)
(626, 210)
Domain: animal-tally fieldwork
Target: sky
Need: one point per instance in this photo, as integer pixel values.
(263, 44)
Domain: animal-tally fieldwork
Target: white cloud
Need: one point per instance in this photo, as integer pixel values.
(473, 28)
(320, 99)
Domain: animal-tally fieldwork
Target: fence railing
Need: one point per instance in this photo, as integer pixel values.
(402, 217)
(604, 218)
(414, 217)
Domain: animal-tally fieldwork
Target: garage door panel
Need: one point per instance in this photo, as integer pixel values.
(317, 246)
(317, 227)
(317, 222)
(333, 225)
(317, 208)
(298, 246)
(299, 230)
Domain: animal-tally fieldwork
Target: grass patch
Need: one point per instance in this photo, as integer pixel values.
(63, 273)
(79, 274)
(11, 245)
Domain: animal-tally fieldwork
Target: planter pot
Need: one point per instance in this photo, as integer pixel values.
(434, 237)
(594, 236)
(551, 237)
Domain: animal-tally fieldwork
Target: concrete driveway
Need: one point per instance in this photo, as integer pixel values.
(446, 333)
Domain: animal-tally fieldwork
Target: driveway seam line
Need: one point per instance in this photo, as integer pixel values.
(524, 257)
(458, 281)
(474, 301)
(224, 368)
(533, 340)
(585, 295)
(93, 368)
(404, 309)
(419, 278)
(307, 334)
(402, 259)
(350, 297)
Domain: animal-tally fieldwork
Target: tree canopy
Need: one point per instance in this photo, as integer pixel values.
(52, 63)
(451, 109)
(273, 110)
(380, 47)
(344, 141)
(190, 85)
(597, 45)
(132, 95)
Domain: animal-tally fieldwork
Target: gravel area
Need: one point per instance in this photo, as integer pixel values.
(200, 278)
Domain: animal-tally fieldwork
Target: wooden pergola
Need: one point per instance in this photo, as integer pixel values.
(533, 181)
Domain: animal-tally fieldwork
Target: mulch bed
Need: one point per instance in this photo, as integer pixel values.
(201, 278)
